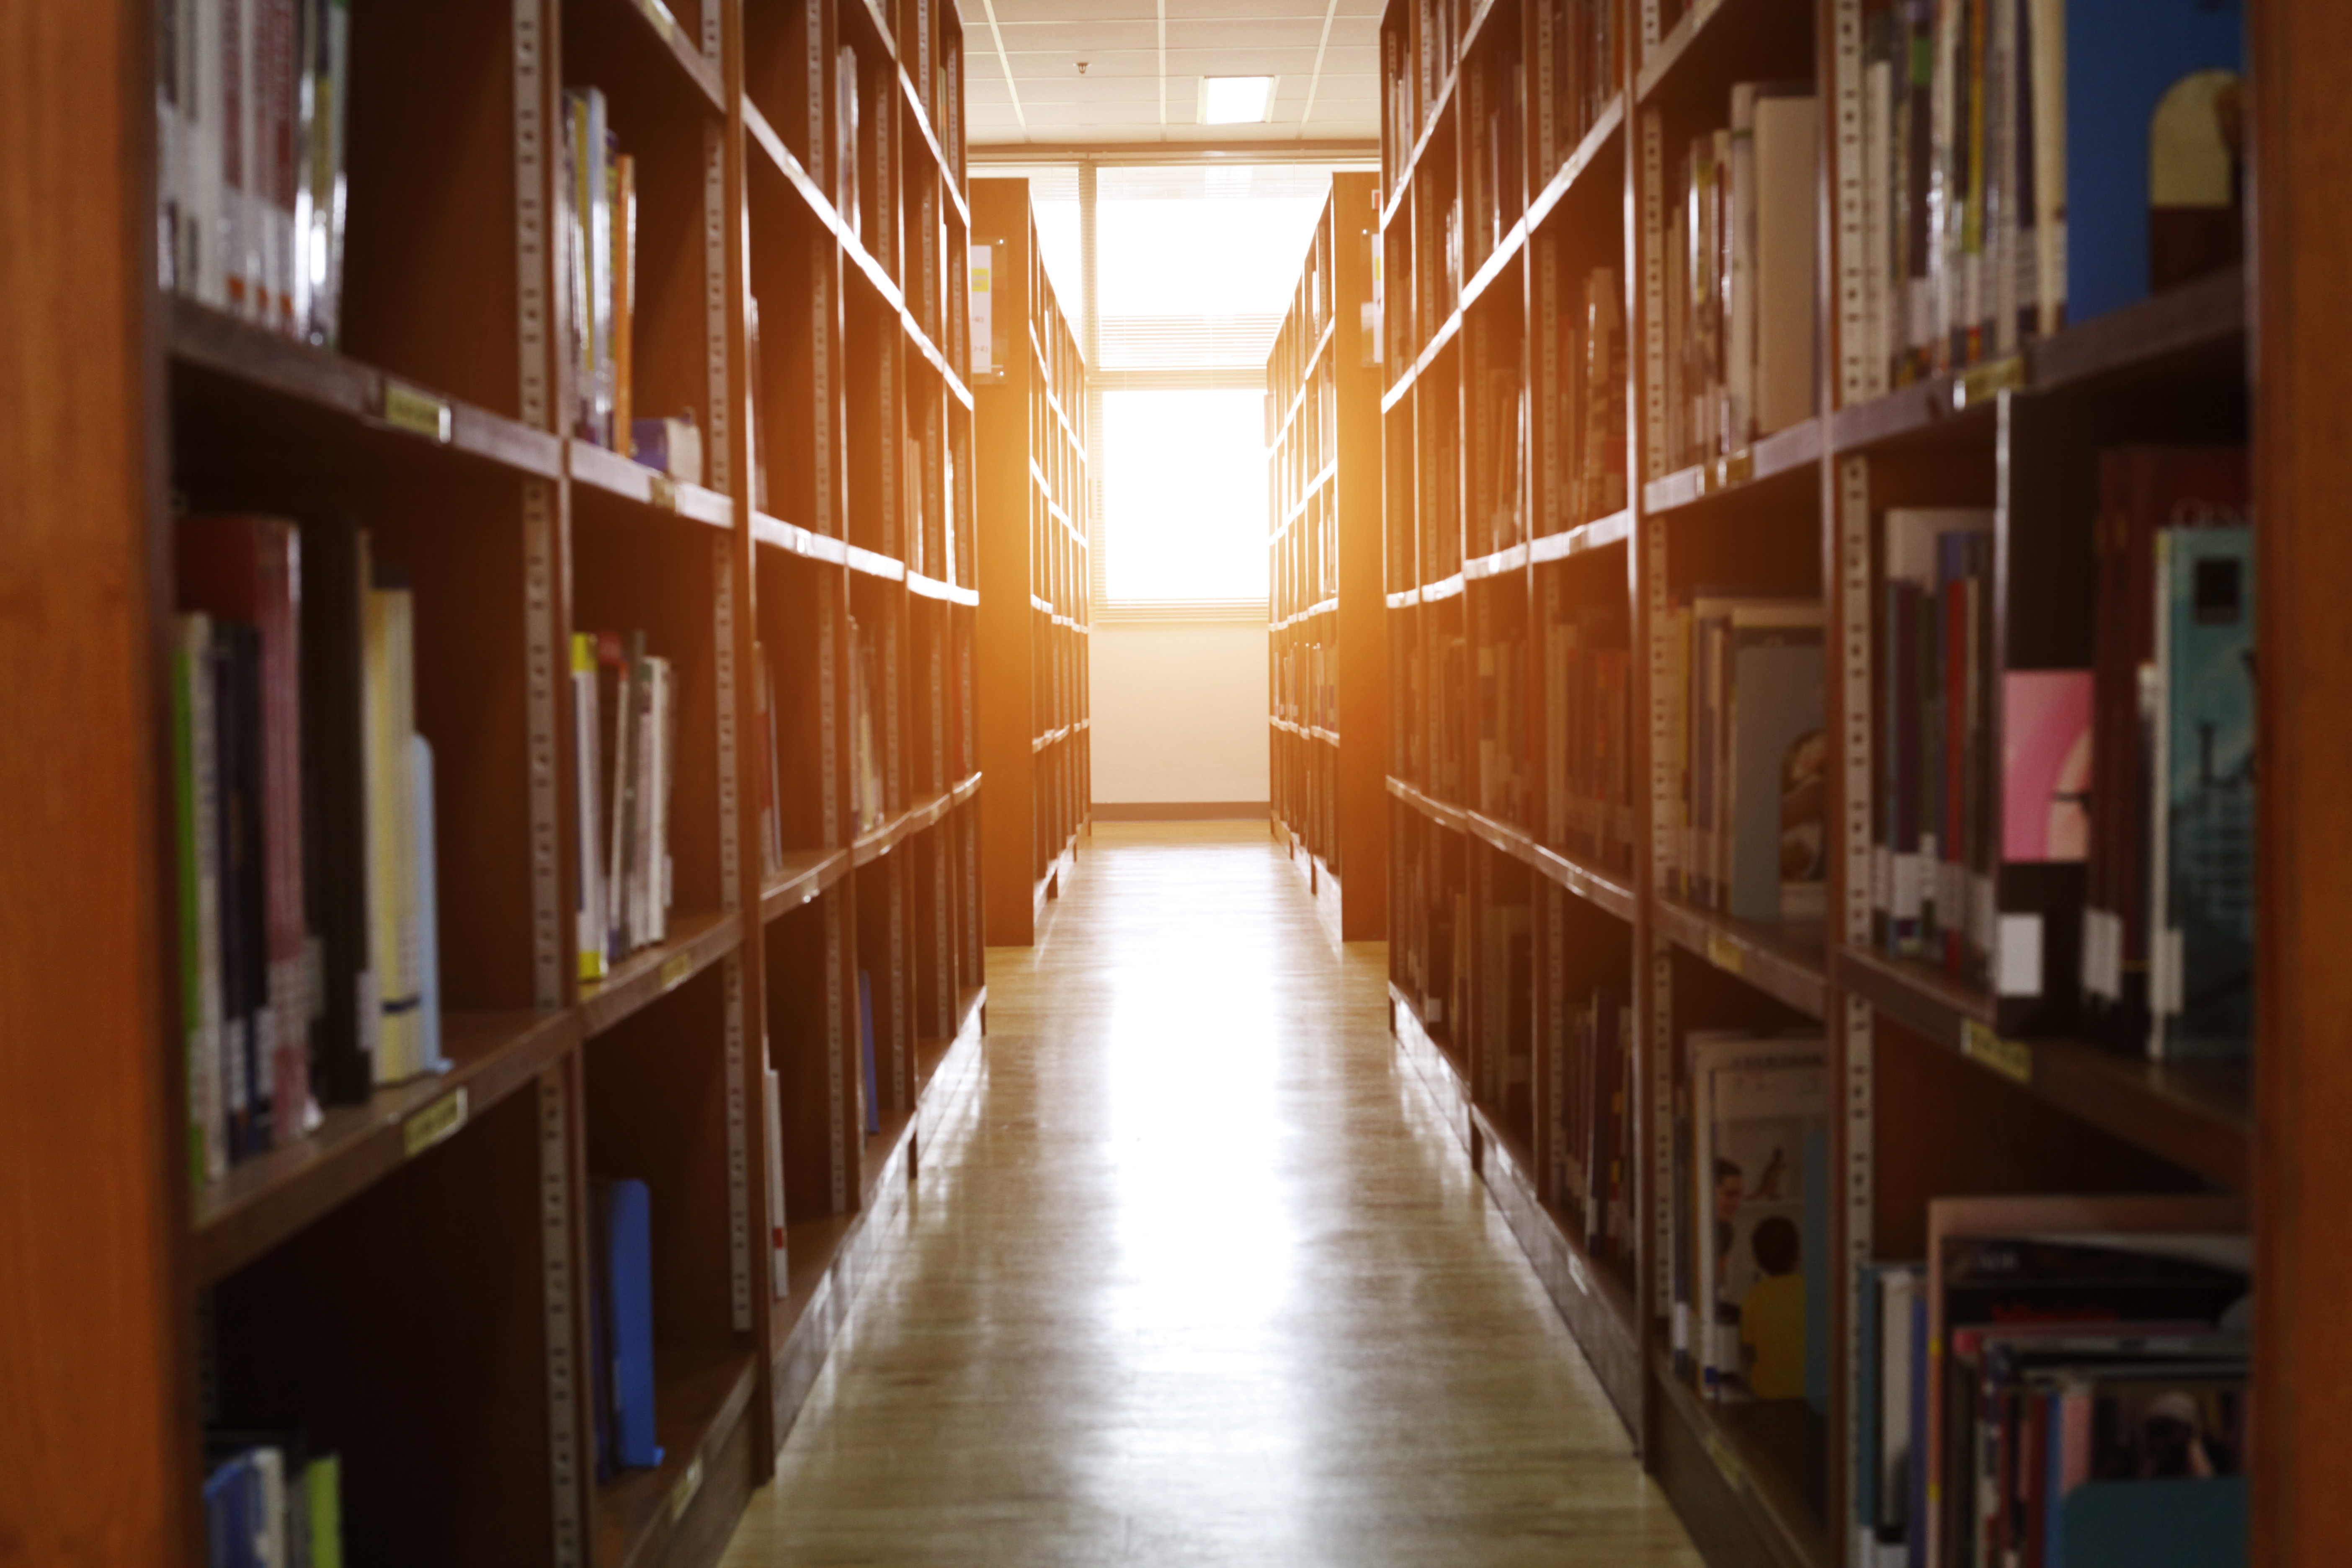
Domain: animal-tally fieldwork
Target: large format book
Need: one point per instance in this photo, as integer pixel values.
(2201, 870)
(348, 1019)
(2142, 491)
(1757, 1102)
(624, 1296)
(196, 779)
(1770, 321)
(1776, 759)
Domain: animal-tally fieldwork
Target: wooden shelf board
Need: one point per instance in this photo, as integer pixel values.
(1600, 534)
(260, 1203)
(1497, 262)
(1323, 476)
(873, 563)
(2198, 1115)
(1444, 588)
(1783, 961)
(922, 117)
(697, 941)
(700, 1396)
(1772, 1455)
(1306, 376)
(1501, 564)
(1784, 452)
(1587, 152)
(806, 874)
(1593, 1298)
(924, 811)
(795, 540)
(699, 70)
(945, 592)
(614, 475)
(201, 338)
(1603, 890)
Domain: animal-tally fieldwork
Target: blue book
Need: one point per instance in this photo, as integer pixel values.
(866, 1051)
(625, 1219)
(234, 1513)
(2202, 957)
(2152, 193)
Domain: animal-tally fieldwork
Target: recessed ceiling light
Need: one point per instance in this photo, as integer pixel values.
(1236, 100)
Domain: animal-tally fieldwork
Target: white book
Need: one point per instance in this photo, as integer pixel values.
(1755, 1100)
(1878, 227)
(206, 1113)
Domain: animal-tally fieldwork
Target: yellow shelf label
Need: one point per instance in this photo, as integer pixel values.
(681, 1496)
(1983, 383)
(664, 492)
(1724, 953)
(418, 413)
(675, 970)
(435, 1123)
(2013, 1059)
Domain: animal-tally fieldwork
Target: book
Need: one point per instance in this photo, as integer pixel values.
(624, 1229)
(348, 1018)
(868, 1080)
(779, 1274)
(268, 1502)
(1756, 1101)
(2201, 860)
(1776, 759)
(389, 702)
(196, 784)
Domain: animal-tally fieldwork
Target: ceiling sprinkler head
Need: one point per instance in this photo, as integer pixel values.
(1082, 67)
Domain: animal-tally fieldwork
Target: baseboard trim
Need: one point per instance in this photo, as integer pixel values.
(1178, 810)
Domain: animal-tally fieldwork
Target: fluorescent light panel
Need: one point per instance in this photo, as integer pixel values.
(1236, 100)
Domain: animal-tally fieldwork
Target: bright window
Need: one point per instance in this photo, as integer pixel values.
(1184, 488)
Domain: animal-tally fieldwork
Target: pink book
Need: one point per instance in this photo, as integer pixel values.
(2045, 764)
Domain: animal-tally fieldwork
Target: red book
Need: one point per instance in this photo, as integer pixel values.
(248, 569)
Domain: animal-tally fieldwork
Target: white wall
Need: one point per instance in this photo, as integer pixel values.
(1179, 711)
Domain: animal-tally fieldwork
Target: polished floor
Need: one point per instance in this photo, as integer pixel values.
(1194, 1277)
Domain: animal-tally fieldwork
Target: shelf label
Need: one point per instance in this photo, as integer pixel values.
(675, 970)
(418, 413)
(2013, 1059)
(1735, 1474)
(681, 1496)
(1724, 953)
(436, 1123)
(1982, 384)
(1583, 1281)
(661, 492)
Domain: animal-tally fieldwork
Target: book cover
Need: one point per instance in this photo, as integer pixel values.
(1777, 763)
(2046, 764)
(626, 1222)
(1758, 1100)
(2202, 868)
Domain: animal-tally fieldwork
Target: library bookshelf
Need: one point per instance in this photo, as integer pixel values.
(1035, 733)
(1327, 653)
(408, 1283)
(1552, 509)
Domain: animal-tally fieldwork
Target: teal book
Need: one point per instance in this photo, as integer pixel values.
(2203, 857)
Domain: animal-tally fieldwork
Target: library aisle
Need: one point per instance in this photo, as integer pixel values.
(1195, 1274)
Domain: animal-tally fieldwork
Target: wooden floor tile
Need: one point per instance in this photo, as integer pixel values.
(1199, 1278)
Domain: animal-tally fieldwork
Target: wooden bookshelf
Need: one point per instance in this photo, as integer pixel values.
(1327, 661)
(409, 1280)
(1942, 1087)
(1035, 742)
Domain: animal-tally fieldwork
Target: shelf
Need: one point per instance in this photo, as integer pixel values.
(1329, 606)
(1595, 1296)
(922, 116)
(260, 1203)
(2199, 328)
(1783, 962)
(926, 812)
(1501, 564)
(1587, 152)
(697, 941)
(1437, 108)
(1395, 393)
(1601, 533)
(1782, 452)
(1772, 1455)
(1718, 42)
(806, 874)
(1306, 371)
(614, 475)
(945, 592)
(702, 72)
(1322, 476)
(873, 563)
(1444, 588)
(1496, 263)
(700, 1398)
(795, 540)
(1305, 731)
(1603, 890)
(202, 339)
(2198, 1115)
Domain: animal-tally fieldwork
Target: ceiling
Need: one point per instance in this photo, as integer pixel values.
(1325, 54)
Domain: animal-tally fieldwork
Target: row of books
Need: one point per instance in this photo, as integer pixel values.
(1306, 687)
(269, 1502)
(2029, 164)
(1578, 55)
(1581, 396)
(2139, 770)
(1504, 756)
(868, 736)
(1751, 1188)
(1313, 441)
(2062, 1381)
(1307, 565)
(624, 758)
(1494, 400)
(250, 110)
(1748, 756)
(308, 944)
(1588, 694)
(1493, 112)
(1591, 1115)
(1738, 250)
